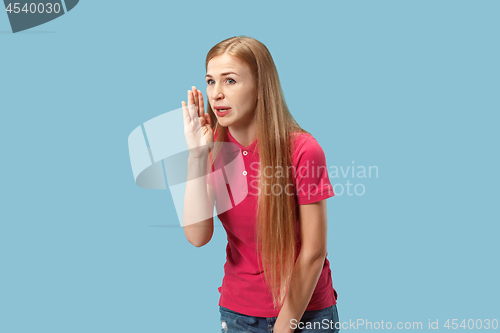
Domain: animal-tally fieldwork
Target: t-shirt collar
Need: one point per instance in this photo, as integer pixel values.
(252, 147)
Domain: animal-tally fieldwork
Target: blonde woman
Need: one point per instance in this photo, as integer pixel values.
(277, 275)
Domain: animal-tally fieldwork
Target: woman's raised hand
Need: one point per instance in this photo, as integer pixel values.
(197, 124)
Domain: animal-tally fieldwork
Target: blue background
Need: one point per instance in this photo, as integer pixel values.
(408, 86)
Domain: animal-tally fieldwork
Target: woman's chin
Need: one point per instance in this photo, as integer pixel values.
(224, 122)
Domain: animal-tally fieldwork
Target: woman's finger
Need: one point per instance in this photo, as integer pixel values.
(195, 98)
(193, 114)
(203, 121)
(185, 113)
(190, 98)
(193, 108)
(201, 104)
(208, 119)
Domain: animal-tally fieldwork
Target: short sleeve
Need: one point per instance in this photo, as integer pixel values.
(312, 182)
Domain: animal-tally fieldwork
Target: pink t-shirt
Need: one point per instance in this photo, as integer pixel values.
(243, 287)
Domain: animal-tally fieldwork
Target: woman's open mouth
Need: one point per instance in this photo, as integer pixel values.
(222, 112)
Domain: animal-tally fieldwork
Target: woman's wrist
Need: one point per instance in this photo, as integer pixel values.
(198, 157)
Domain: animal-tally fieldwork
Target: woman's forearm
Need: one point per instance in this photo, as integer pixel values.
(198, 206)
(306, 273)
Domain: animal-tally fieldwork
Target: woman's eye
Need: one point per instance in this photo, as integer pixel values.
(209, 81)
(231, 81)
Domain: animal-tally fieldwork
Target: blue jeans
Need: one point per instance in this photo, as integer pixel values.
(317, 321)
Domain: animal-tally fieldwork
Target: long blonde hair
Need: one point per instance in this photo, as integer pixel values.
(276, 214)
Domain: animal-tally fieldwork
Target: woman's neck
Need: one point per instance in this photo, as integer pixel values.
(245, 135)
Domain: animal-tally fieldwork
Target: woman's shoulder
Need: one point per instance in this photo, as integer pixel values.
(302, 140)
(301, 135)
(306, 147)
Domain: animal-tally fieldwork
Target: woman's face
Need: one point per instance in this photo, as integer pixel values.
(231, 91)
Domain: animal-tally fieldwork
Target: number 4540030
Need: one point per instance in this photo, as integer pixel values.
(472, 324)
(34, 8)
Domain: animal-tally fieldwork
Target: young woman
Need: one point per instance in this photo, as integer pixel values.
(277, 277)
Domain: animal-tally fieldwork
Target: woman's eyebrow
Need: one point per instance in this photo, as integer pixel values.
(223, 74)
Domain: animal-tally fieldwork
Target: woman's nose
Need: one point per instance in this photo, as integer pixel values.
(217, 94)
